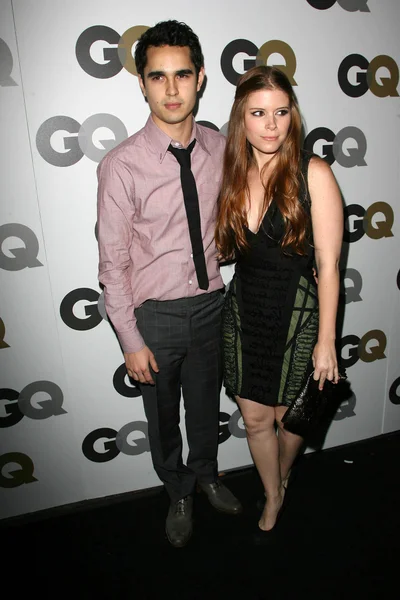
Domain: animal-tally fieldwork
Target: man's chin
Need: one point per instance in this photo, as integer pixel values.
(175, 119)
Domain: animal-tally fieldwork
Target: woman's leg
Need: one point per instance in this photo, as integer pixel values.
(289, 445)
(259, 421)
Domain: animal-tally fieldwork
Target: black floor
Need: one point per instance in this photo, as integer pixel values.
(339, 537)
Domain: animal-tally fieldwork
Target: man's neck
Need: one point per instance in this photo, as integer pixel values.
(180, 132)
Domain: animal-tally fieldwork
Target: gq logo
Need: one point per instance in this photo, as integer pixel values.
(394, 392)
(351, 293)
(20, 405)
(83, 309)
(362, 349)
(71, 310)
(20, 476)
(3, 343)
(21, 258)
(64, 151)
(359, 221)
(99, 451)
(257, 57)
(113, 59)
(353, 157)
(6, 65)
(229, 425)
(346, 409)
(124, 385)
(349, 5)
(366, 78)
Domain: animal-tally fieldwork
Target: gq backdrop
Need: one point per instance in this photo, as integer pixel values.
(73, 425)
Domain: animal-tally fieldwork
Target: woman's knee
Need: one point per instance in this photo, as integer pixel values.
(258, 422)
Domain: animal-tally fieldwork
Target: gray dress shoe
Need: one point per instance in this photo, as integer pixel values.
(179, 524)
(221, 498)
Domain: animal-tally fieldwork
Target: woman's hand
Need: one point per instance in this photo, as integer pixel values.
(325, 363)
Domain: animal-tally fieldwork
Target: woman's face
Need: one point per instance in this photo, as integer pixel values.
(267, 120)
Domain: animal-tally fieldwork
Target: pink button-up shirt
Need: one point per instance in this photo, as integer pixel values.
(144, 244)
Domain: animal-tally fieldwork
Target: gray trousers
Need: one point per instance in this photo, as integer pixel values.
(185, 337)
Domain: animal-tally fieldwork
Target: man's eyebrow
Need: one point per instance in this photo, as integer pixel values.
(155, 73)
(161, 73)
(185, 72)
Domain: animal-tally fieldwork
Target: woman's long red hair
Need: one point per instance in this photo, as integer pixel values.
(283, 183)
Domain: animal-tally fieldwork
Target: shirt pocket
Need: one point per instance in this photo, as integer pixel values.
(208, 200)
(210, 187)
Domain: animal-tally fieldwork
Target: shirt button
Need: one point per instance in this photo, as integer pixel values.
(191, 256)
(190, 281)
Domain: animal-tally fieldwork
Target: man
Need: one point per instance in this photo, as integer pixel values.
(157, 202)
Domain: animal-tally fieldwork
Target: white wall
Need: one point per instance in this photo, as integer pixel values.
(68, 433)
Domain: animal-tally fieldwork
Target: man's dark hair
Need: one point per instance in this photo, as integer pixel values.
(168, 33)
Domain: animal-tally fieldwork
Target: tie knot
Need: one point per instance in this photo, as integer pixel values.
(182, 155)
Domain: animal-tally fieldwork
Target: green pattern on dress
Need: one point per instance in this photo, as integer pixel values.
(232, 345)
(301, 339)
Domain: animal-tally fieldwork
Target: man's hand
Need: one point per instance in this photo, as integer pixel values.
(138, 365)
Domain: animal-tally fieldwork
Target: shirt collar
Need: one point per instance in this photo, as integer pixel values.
(160, 141)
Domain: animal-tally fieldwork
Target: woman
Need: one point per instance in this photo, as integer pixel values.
(280, 208)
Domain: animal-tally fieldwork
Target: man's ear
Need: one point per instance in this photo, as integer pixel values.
(200, 79)
(142, 87)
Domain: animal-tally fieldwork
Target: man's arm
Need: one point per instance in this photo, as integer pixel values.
(115, 214)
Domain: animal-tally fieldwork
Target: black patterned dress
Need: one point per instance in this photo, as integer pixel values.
(270, 314)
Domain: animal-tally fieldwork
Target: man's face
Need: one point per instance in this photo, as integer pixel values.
(170, 84)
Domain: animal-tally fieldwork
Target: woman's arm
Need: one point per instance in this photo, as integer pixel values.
(327, 224)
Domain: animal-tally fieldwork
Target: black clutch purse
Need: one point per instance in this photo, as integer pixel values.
(311, 406)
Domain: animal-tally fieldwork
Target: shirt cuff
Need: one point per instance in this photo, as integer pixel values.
(131, 341)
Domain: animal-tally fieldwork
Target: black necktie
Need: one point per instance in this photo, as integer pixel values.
(192, 211)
